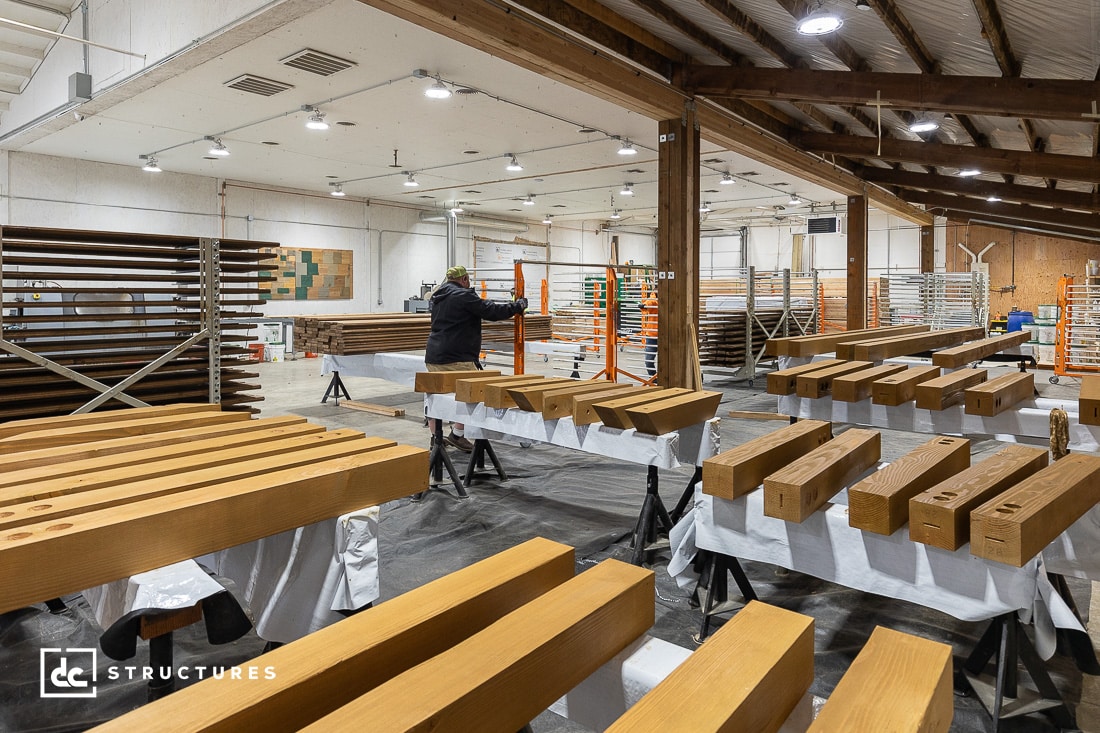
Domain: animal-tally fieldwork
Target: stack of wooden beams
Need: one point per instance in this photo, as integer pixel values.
(371, 333)
(97, 497)
(722, 334)
(106, 304)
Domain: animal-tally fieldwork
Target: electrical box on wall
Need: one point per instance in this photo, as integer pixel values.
(825, 225)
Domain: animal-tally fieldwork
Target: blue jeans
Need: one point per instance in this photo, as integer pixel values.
(651, 355)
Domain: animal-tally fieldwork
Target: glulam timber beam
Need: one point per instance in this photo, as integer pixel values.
(1088, 223)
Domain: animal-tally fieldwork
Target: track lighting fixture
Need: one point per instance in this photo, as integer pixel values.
(337, 189)
(627, 148)
(217, 149)
(615, 214)
(727, 179)
(151, 164)
(546, 220)
(627, 190)
(513, 164)
(438, 90)
(530, 200)
(410, 180)
(819, 21)
(705, 208)
(794, 200)
(316, 120)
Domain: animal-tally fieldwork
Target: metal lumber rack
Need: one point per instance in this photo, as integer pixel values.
(92, 319)
(741, 308)
(938, 299)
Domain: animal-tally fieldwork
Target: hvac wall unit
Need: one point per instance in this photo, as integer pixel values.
(834, 224)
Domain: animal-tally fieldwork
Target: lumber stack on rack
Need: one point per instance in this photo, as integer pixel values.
(371, 333)
(105, 304)
(93, 511)
(722, 333)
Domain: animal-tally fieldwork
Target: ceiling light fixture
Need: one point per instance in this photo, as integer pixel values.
(863, 5)
(410, 180)
(969, 172)
(438, 90)
(217, 148)
(546, 219)
(994, 198)
(705, 208)
(337, 190)
(457, 208)
(819, 21)
(794, 201)
(530, 200)
(513, 164)
(923, 124)
(316, 120)
(627, 148)
(727, 179)
(627, 190)
(615, 214)
(151, 164)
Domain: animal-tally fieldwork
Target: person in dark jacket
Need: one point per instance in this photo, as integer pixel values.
(454, 343)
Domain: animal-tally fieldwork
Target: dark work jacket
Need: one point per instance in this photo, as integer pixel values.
(457, 313)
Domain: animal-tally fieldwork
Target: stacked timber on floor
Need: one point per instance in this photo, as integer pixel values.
(723, 333)
(1008, 507)
(97, 497)
(372, 333)
(106, 304)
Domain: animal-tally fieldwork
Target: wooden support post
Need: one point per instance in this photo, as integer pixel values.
(738, 471)
(1088, 404)
(880, 502)
(613, 412)
(664, 416)
(897, 389)
(943, 392)
(333, 666)
(856, 387)
(559, 403)
(473, 390)
(997, 395)
(678, 249)
(505, 675)
(444, 382)
(1015, 526)
(763, 661)
(819, 383)
(802, 346)
(785, 381)
(798, 490)
(958, 356)
(584, 410)
(927, 248)
(500, 395)
(881, 349)
(940, 516)
(912, 673)
(857, 263)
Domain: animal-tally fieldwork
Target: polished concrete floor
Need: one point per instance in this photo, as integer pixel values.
(586, 501)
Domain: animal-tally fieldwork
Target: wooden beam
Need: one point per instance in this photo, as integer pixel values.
(612, 413)
(374, 409)
(940, 516)
(1088, 404)
(473, 390)
(499, 395)
(734, 16)
(824, 343)
(505, 675)
(997, 395)
(1006, 222)
(799, 489)
(16, 427)
(880, 502)
(857, 263)
(665, 416)
(527, 397)
(762, 659)
(958, 356)
(333, 666)
(888, 348)
(1066, 99)
(856, 387)
(444, 382)
(559, 403)
(83, 551)
(989, 160)
(116, 429)
(584, 410)
(1014, 527)
(1089, 223)
(666, 16)
(742, 469)
(899, 25)
(819, 383)
(915, 674)
(785, 381)
(897, 389)
(943, 392)
(993, 30)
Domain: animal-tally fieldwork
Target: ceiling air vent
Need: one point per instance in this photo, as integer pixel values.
(316, 62)
(825, 225)
(258, 85)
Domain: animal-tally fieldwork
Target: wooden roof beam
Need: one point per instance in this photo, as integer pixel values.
(733, 15)
(1006, 222)
(995, 33)
(899, 25)
(667, 15)
(1087, 223)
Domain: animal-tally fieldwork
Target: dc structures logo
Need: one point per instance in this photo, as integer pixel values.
(67, 673)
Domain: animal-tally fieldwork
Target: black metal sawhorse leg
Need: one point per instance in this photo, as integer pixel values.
(1006, 640)
(1072, 642)
(440, 460)
(713, 578)
(160, 659)
(686, 497)
(483, 448)
(336, 389)
(652, 521)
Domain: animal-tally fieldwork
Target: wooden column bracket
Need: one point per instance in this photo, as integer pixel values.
(785, 381)
(940, 516)
(880, 502)
(997, 395)
(665, 416)
(795, 492)
(738, 471)
(819, 383)
(897, 389)
(943, 392)
(856, 387)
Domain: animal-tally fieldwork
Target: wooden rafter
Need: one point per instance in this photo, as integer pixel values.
(995, 33)
(667, 15)
(1007, 222)
(613, 20)
(899, 25)
(733, 15)
(1018, 212)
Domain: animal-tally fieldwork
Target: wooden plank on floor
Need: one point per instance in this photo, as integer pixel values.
(754, 415)
(584, 411)
(559, 403)
(897, 389)
(1016, 525)
(763, 661)
(800, 488)
(801, 346)
(958, 356)
(785, 381)
(473, 389)
(115, 429)
(943, 392)
(1088, 404)
(511, 395)
(999, 394)
(496, 395)
(331, 667)
(444, 382)
(742, 469)
(819, 382)
(384, 410)
(889, 348)
(613, 412)
(880, 502)
(940, 516)
(898, 682)
(83, 551)
(668, 415)
(856, 387)
(505, 675)
(15, 427)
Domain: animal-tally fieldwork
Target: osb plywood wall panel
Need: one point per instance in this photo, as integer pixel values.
(310, 274)
(1039, 262)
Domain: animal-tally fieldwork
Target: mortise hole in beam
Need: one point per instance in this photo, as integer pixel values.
(1010, 505)
(6, 514)
(19, 536)
(58, 527)
(40, 507)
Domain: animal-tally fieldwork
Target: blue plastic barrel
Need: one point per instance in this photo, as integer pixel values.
(1016, 319)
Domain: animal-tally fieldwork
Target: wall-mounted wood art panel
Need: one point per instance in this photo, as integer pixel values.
(310, 274)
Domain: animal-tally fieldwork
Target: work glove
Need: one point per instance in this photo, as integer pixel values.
(521, 305)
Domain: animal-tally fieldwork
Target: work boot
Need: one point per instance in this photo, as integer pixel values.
(458, 441)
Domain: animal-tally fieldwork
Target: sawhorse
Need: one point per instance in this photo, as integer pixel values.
(439, 460)
(483, 448)
(714, 566)
(336, 389)
(654, 520)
